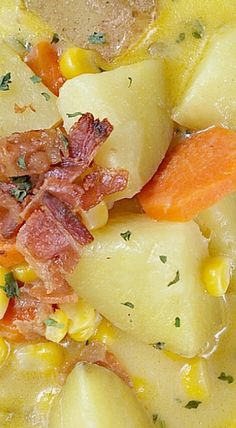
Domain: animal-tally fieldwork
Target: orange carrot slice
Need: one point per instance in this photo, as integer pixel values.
(43, 59)
(194, 175)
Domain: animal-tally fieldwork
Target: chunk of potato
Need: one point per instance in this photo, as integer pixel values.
(219, 223)
(133, 98)
(210, 96)
(145, 279)
(23, 107)
(16, 23)
(95, 397)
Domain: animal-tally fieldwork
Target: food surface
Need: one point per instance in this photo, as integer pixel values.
(117, 214)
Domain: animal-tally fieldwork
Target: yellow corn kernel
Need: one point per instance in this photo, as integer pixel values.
(3, 272)
(96, 217)
(4, 351)
(194, 379)
(140, 386)
(4, 301)
(56, 326)
(39, 357)
(82, 320)
(105, 332)
(216, 273)
(24, 273)
(76, 61)
(174, 357)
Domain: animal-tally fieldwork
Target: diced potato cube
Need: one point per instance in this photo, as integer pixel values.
(145, 277)
(219, 224)
(95, 397)
(133, 98)
(23, 107)
(210, 96)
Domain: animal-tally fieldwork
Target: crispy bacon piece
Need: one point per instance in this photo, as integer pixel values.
(32, 152)
(100, 183)
(9, 212)
(24, 318)
(86, 136)
(67, 219)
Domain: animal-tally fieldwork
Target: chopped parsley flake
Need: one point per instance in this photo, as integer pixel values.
(159, 345)
(23, 186)
(129, 304)
(198, 30)
(76, 113)
(50, 322)
(64, 140)
(163, 259)
(176, 279)
(11, 287)
(21, 162)
(97, 38)
(55, 38)
(36, 79)
(5, 81)
(156, 418)
(130, 81)
(180, 38)
(226, 378)
(177, 322)
(126, 235)
(46, 96)
(193, 404)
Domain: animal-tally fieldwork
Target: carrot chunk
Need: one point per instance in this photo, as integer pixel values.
(43, 59)
(194, 175)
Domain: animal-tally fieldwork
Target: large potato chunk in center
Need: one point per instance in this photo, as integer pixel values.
(145, 277)
(133, 98)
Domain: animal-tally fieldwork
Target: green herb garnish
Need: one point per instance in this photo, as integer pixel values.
(36, 79)
(21, 162)
(226, 378)
(55, 38)
(176, 279)
(130, 81)
(198, 30)
(97, 38)
(126, 235)
(193, 404)
(163, 259)
(64, 140)
(129, 304)
(155, 418)
(11, 287)
(77, 113)
(177, 322)
(50, 322)
(158, 345)
(180, 38)
(5, 81)
(46, 96)
(23, 186)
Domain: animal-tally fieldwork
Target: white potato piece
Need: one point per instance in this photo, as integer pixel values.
(219, 223)
(128, 283)
(95, 397)
(210, 97)
(23, 93)
(133, 98)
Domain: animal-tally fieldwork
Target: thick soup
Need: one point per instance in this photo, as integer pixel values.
(117, 214)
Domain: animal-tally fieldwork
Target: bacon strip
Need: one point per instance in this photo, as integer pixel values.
(9, 212)
(32, 152)
(100, 183)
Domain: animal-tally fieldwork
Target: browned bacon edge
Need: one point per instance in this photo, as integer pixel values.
(45, 223)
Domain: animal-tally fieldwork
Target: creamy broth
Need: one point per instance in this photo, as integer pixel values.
(161, 379)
